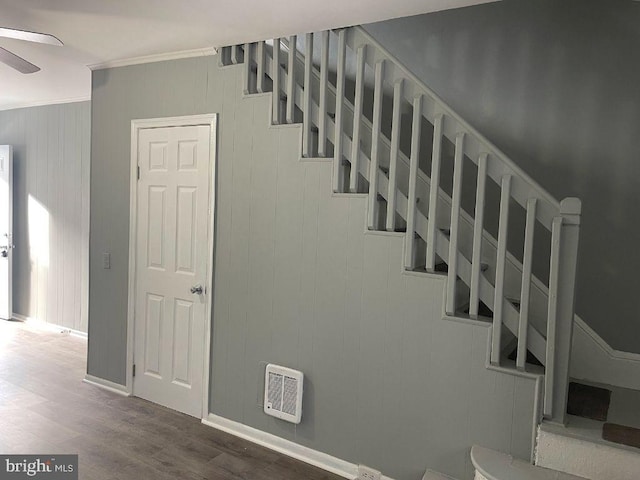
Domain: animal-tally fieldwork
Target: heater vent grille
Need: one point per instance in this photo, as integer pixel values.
(283, 393)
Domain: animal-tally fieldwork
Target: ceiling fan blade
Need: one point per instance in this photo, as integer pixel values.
(30, 36)
(19, 63)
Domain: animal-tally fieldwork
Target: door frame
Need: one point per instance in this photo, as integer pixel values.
(210, 120)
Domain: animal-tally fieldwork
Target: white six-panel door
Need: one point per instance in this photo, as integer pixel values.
(173, 208)
(6, 221)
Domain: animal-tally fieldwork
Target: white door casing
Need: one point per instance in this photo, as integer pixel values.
(172, 257)
(6, 230)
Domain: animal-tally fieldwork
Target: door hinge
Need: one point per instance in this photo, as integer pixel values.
(134, 369)
(138, 172)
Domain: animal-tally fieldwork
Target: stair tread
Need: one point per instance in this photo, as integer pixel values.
(622, 434)
(584, 430)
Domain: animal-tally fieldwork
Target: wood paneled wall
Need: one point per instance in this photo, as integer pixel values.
(51, 211)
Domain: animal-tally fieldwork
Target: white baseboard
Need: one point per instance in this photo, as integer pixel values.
(42, 325)
(318, 459)
(106, 385)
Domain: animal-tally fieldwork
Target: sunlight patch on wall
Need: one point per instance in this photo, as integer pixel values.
(38, 234)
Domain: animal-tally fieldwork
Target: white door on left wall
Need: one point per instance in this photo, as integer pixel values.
(6, 229)
(173, 208)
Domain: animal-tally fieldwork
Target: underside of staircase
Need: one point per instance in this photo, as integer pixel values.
(464, 212)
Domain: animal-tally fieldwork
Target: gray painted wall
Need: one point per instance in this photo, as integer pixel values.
(553, 84)
(389, 383)
(51, 211)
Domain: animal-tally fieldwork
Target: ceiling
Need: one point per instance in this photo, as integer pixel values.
(96, 32)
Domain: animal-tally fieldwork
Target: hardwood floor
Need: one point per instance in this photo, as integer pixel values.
(46, 409)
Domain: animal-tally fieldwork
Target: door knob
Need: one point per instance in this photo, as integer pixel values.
(196, 289)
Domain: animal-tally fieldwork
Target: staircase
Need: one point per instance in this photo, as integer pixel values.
(391, 138)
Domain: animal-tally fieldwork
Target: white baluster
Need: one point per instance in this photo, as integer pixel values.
(393, 160)
(478, 228)
(456, 197)
(565, 234)
(498, 302)
(324, 82)
(235, 54)
(247, 69)
(375, 143)
(552, 315)
(527, 260)
(414, 160)
(357, 114)
(291, 79)
(338, 172)
(260, 59)
(307, 120)
(275, 76)
(434, 191)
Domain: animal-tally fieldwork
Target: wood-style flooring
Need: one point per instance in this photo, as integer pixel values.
(45, 408)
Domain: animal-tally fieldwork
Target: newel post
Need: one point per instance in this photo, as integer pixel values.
(562, 285)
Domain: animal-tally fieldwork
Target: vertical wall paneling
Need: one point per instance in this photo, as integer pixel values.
(51, 211)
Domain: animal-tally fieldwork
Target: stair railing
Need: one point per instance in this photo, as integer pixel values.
(352, 158)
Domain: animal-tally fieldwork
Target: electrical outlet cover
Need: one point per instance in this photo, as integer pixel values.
(366, 473)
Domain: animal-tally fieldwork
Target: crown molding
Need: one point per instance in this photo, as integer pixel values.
(158, 57)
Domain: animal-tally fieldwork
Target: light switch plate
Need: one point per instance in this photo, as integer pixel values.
(106, 260)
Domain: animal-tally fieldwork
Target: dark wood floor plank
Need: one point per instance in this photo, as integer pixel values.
(588, 401)
(621, 434)
(46, 408)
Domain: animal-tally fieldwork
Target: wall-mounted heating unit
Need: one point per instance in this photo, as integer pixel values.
(283, 393)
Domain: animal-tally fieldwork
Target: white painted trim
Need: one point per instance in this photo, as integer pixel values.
(308, 455)
(49, 327)
(158, 57)
(106, 385)
(43, 103)
(603, 345)
(211, 120)
(594, 360)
